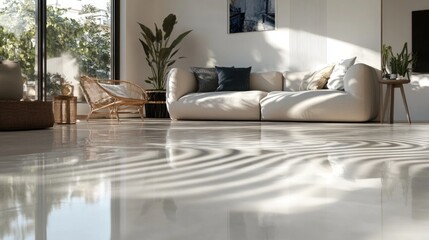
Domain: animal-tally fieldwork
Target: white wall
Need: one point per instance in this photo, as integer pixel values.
(396, 31)
(354, 30)
(309, 33)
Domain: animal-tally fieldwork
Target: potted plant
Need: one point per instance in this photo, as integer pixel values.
(402, 63)
(160, 51)
(393, 67)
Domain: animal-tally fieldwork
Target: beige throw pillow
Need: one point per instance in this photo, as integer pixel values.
(319, 79)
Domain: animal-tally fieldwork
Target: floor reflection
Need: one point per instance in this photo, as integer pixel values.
(215, 180)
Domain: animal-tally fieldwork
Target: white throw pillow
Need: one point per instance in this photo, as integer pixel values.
(336, 81)
(118, 90)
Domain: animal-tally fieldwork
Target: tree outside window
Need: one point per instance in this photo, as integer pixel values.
(78, 42)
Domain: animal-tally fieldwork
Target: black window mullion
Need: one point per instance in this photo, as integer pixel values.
(41, 48)
(115, 59)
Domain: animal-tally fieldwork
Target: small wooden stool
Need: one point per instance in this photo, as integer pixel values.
(389, 98)
(65, 108)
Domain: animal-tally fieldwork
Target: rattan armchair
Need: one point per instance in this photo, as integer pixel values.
(115, 96)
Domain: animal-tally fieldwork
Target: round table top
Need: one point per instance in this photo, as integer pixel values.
(394, 81)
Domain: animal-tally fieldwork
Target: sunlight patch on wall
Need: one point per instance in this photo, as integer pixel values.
(419, 81)
(211, 60)
(338, 50)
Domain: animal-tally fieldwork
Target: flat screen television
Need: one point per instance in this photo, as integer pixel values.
(420, 41)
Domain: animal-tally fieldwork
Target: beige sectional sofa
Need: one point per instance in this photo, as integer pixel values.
(276, 96)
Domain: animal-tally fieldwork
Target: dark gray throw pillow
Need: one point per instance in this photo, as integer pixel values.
(206, 78)
(233, 79)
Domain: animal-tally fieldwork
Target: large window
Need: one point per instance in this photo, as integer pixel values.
(56, 41)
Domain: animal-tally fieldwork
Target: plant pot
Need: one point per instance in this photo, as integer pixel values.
(156, 107)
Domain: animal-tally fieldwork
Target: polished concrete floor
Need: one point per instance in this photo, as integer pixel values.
(215, 181)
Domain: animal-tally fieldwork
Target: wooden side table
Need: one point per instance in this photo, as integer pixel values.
(65, 108)
(390, 96)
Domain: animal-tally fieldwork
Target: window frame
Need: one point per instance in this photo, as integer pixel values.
(41, 52)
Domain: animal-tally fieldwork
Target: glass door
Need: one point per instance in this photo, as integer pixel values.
(18, 40)
(75, 39)
(78, 42)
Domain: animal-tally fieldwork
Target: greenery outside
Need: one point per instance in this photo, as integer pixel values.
(85, 40)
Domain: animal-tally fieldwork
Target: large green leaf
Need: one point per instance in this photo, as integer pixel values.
(164, 54)
(404, 49)
(174, 53)
(168, 25)
(150, 44)
(158, 34)
(145, 47)
(179, 39)
(149, 62)
(171, 63)
(147, 32)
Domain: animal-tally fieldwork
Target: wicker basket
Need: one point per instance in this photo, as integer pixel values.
(18, 115)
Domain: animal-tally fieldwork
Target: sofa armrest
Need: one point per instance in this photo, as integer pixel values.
(361, 83)
(179, 83)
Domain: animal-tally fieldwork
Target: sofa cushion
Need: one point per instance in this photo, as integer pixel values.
(118, 90)
(336, 80)
(207, 79)
(233, 105)
(233, 79)
(324, 105)
(318, 79)
(293, 80)
(266, 81)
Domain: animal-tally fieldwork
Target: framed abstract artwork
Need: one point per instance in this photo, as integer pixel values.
(251, 15)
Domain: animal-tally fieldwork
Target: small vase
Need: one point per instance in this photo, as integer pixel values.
(399, 77)
(392, 76)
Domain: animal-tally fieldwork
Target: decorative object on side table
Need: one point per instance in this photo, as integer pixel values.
(386, 52)
(400, 64)
(65, 106)
(160, 51)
